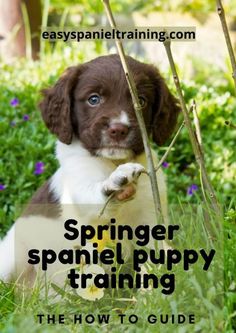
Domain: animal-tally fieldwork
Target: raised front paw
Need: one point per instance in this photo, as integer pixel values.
(122, 181)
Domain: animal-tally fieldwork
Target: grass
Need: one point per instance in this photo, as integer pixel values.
(26, 142)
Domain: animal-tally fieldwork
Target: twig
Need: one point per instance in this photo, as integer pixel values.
(138, 113)
(193, 138)
(111, 196)
(197, 124)
(221, 13)
(199, 142)
(169, 148)
(228, 123)
(28, 41)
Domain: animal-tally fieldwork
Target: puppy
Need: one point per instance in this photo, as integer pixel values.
(100, 152)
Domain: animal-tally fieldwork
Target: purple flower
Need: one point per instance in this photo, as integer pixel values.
(2, 187)
(38, 171)
(165, 165)
(14, 102)
(191, 189)
(39, 168)
(39, 165)
(26, 117)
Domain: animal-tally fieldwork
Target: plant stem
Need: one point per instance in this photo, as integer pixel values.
(221, 13)
(138, 113)
(46, 4)
(111, 196)
(197, 124)
(228, 123)
(193, 138)
(169, 148)
(28, 41)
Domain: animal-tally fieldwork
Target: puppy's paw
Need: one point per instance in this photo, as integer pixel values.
(123, 180)
(123, 175)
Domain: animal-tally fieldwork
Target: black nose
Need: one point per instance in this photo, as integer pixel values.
(118, 131)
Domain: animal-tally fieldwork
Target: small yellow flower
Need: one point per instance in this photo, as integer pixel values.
(104, 242)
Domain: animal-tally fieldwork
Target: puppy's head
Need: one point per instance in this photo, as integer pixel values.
(92, 102)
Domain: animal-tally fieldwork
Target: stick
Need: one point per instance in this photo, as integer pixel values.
(221, 13)
(197, 124)
(193, 138)
(138, 113)
(111, 196)
(199, 142)
(169, 148)
(228, 123)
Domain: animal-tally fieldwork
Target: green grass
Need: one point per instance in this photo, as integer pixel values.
(22, 145)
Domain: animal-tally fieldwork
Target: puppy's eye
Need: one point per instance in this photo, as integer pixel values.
(142, 101)
(94, 100)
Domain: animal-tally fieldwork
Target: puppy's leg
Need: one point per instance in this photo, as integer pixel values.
(7, 255)
(13, 256)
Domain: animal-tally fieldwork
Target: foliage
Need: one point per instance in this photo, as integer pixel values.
(198, 8)
(215, 105)
(230, 268)
(96, 7)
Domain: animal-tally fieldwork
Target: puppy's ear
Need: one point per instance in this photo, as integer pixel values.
(57, 103)
(165, 110)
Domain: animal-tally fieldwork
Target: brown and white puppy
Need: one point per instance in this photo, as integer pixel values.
(99, 145)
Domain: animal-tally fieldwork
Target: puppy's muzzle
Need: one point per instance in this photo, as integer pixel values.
(118, 132)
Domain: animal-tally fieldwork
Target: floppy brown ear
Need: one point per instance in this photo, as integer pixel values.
(57, 103)
(164, 113)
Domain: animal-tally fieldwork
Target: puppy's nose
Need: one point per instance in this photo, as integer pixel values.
(118, 131)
